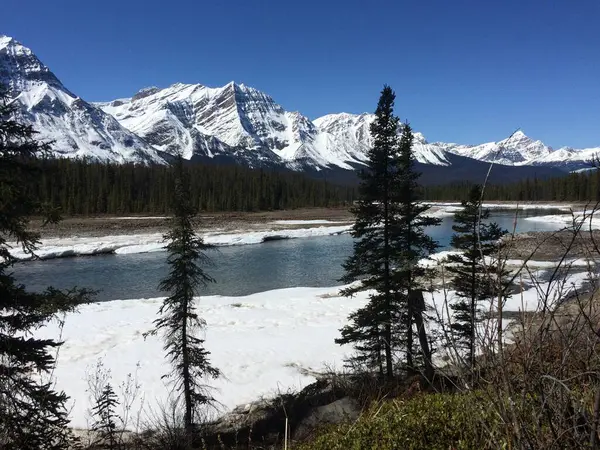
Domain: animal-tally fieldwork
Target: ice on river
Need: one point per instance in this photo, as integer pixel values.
(152, 242)
(578, 218)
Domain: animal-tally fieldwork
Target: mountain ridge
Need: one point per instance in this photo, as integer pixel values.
(76, 127)
(232, 123)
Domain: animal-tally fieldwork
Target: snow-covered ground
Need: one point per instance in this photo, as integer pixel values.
(585, 218)
(141, 218)
(263, 343)
(443, 209)
(440, 258)
(305, 222)
(152, 242)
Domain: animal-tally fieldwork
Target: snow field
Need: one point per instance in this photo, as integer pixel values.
(264, 343)
(261, 342)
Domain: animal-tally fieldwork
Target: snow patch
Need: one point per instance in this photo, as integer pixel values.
(153, 242)
(579, 218)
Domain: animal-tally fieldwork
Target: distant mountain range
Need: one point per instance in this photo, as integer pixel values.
(239, 124)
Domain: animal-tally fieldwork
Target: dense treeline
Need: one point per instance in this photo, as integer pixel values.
(83, 187)
(583, 186)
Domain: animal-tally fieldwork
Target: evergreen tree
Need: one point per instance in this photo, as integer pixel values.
(413, 243)
(178, 318)
(389, 241)
(105, 425)
(32, 413)
(472, 281)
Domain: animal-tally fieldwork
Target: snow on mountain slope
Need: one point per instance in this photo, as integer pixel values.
(77, 128)
(521, 150)
(569, 159)
(515, 150)
(231, 123)
(349, 134)
(234, 119)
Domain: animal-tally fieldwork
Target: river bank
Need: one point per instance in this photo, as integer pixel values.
(250, 221)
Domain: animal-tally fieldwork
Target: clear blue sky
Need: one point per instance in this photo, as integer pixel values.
(464, 71)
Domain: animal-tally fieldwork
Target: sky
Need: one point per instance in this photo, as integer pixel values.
(467, 71)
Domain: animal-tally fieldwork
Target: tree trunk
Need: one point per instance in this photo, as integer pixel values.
(388, 350)
(188, 419)
(473, 299)
(417, 306)
(388, 301)
(379, 359)
(409, 334)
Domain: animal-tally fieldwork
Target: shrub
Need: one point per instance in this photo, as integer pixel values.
(427, 421)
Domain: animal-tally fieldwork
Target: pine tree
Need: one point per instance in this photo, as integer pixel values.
(389, 241)
(105, 425)
(472, 281)
(370, 328)
(413, 243)
(32, 413)
(178, 318)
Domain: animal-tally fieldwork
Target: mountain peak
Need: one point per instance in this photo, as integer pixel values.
(518, 138)
(76, 128)
(519, 135)
(7, 41)
(145, 92)
(11, 46)
(21, 68)
(234, 121)
(235, 86)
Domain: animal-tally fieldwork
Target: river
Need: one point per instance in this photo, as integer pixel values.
(237, 270)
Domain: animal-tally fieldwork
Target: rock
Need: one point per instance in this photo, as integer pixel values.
(342, 410)
(264, 420)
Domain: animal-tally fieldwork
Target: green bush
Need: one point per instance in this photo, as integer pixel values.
(427, 421)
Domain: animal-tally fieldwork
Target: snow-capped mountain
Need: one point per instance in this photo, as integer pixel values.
(350, 132)
(520, 150)
(241, 122)
(234, 120)
(233, 123)
(514, 150)
(77, 128)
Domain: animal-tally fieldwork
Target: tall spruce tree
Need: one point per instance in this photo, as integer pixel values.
(178, 317)
(389, 240)
(32, 413)
(472, 280)
(413, 243)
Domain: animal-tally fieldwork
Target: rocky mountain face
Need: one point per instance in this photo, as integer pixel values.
(234, 123)
(77, 128)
